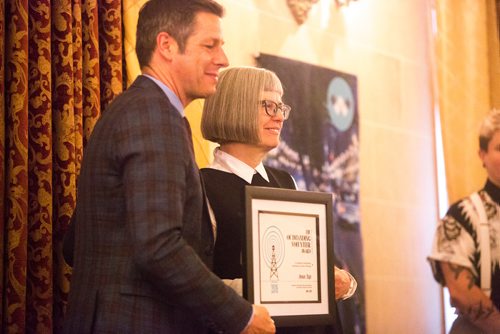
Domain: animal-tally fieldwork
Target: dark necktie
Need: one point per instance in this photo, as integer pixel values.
(206, 210)
(258, 180)
(189, 134)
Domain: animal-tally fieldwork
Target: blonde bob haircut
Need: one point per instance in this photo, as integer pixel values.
(232, 113)
(488, 128)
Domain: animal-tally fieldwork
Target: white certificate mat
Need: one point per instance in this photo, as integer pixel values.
(289, 255)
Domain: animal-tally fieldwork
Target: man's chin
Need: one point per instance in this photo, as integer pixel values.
(207, 92)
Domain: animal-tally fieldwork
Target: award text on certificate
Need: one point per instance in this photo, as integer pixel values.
(289, 257)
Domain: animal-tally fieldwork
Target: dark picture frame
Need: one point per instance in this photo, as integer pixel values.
(289, 261)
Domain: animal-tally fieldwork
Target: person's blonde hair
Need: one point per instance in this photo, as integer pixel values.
(231, 114)
(489, 125)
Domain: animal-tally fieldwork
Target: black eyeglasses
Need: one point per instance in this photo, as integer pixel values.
(272, 108)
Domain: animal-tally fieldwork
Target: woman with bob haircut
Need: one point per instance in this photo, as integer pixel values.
(245, 117)
(231, 115)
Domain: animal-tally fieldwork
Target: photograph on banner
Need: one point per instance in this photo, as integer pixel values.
(320, 148)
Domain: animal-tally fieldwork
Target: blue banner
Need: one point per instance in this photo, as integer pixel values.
(320, 148)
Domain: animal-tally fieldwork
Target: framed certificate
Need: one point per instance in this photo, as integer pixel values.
(289, 255)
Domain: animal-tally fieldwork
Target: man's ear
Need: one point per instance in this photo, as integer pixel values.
(166, 45)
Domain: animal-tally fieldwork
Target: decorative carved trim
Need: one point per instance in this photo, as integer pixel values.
(300, 9)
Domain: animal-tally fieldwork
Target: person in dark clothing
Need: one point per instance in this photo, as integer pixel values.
(245, 117)
(138, 234)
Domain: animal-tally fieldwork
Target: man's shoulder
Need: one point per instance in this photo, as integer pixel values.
(142, 88)
(461, 211)
(142, 95)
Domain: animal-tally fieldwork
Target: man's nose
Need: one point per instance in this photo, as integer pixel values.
(221, 58)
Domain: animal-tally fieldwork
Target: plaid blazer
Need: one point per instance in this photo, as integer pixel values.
(140, 241)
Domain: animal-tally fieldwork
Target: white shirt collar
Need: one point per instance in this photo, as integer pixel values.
(227, 163)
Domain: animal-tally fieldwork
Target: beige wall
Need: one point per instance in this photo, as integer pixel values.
(385, 43)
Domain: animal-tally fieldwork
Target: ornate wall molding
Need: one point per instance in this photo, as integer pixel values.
(300, 9)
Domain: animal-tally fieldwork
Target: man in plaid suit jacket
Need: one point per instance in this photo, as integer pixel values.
(141, 246)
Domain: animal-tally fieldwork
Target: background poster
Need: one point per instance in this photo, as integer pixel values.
(320, 148)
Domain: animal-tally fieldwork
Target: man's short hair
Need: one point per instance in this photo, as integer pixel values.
(232, 113)
(489, 126)
(176, 17)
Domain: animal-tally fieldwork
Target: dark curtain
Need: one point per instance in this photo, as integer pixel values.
(60, 65)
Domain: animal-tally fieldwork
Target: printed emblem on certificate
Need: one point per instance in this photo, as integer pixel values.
(289, 255)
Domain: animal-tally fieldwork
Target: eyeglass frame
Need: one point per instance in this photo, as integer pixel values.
(284, 108)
